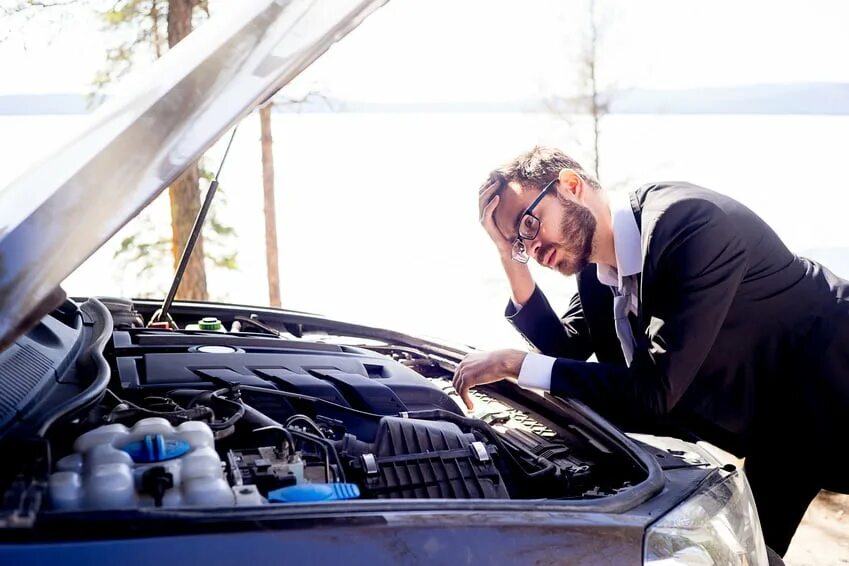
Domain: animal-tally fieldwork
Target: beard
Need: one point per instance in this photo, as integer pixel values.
(578, 233)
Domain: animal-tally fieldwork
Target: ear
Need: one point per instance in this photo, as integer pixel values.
(570, 184)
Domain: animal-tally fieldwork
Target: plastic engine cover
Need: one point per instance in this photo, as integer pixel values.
(114, 466)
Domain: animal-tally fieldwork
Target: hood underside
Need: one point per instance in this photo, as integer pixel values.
(60, 212)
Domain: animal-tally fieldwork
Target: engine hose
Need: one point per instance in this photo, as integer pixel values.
(233, 419)
(328, 448)
(311, 399)
(268, 423)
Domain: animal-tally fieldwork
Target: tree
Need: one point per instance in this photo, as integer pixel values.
(597, 102)
(145, 20)
(594, 96)
(141, 22)
(269, 207)
(184, 193)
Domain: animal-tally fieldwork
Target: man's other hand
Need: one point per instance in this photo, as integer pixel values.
(486, 367)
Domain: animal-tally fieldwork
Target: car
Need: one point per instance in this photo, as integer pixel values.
(136, 431)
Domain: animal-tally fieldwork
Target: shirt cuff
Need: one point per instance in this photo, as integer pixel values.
(536, 371)
(516, 306)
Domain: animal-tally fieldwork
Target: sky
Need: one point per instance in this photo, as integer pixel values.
(491, 50)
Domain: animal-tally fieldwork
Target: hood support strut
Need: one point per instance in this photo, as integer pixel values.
(161, 316)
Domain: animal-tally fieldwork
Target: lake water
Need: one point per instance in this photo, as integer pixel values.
(377, 213)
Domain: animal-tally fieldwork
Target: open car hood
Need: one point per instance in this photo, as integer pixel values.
(60, 212)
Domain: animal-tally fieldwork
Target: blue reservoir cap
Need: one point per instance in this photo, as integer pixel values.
(314, 492)
(156, 448)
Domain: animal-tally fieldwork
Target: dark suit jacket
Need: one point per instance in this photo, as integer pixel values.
(738, 340)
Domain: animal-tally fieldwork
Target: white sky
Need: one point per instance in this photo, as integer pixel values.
(438, 50)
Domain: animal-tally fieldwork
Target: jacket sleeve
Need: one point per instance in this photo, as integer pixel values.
(566, 337)
(696, 274)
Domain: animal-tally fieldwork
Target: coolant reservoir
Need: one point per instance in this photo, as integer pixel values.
(208, 323)
(153, 463)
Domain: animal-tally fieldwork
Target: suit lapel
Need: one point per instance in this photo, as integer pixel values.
(636, 199)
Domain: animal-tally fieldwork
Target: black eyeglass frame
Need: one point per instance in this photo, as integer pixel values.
(519, 253)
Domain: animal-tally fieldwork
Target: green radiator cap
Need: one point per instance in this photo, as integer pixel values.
(210, 323)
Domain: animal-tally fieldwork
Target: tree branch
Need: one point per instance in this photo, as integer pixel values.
(30, 4)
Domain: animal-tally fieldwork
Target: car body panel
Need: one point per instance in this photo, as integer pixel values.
(395, 538)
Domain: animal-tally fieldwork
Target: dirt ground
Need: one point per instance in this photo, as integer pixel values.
(823, 537)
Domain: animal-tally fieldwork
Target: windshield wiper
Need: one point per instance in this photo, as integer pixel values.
(161, 315)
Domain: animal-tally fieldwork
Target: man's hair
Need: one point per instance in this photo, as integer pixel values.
(536, 168)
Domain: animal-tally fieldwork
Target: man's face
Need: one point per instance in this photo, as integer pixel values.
(565, 238)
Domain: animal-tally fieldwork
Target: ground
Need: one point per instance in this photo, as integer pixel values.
(823, 537)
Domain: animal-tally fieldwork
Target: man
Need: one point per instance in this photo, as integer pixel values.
(698, 316)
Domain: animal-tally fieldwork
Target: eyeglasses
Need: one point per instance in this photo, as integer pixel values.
(528, 227)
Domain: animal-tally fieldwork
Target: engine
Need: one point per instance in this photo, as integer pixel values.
(156, 464)
(202, 419)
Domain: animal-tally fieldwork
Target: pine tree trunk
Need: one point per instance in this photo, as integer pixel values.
(185, 204)
(269, 208)
(184, 192)
(179, 20)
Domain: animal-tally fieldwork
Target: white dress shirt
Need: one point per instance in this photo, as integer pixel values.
(536, 369)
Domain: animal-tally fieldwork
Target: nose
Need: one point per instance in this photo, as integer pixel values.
(533, 247)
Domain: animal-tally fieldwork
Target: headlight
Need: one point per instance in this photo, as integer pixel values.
(717, 525)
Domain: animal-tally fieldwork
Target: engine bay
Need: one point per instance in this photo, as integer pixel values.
(203, 416)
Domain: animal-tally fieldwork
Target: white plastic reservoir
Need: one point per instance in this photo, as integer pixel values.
(102, 472)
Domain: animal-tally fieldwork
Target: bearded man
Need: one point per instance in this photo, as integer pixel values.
(698, 315)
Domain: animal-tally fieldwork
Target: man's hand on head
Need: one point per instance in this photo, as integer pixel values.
(488, 200)
(486, 367)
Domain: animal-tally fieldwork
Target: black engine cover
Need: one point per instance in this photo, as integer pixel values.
(157, 360)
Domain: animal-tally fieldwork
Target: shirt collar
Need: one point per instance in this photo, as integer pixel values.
(626, 242)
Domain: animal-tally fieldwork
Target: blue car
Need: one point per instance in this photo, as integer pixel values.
(138, 431)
